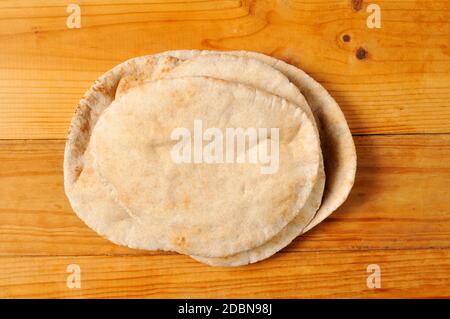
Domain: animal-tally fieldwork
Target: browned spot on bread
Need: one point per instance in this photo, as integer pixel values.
(77, 171)
(85, 128)
(150, 62)
(124, 84)
(165, 69)
(128, 82)
(170, 60)
(170, 205)
(101, 88)
(186, 201)
(181, 98)
(179, 241)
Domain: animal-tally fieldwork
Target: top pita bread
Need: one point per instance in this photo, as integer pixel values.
(198, 208)
(195, 232)
(259, 75)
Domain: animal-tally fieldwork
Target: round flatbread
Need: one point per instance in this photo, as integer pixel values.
(200, 208)
(261, 76)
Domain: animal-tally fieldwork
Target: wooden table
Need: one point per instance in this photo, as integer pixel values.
(392, 83)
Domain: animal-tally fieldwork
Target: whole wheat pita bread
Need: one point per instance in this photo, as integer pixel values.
(338, 148)
(203, 209)
(261, 76)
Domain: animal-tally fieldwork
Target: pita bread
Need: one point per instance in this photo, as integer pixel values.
(199, 208)
(338, 148)
(261, 76)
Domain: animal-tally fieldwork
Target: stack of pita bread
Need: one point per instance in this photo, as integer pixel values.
(121, 181)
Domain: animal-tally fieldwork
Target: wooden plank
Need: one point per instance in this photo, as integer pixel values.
(400, 86)
(404, 273)
(400, 200)
(35, 215)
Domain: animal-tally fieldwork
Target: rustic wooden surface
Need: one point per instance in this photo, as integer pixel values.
(396, 98)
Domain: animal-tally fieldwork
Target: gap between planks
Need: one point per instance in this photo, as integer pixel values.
(362, 134)
(168, 253)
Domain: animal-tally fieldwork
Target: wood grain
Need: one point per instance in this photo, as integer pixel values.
(393, 85)
(400, 201)
(401, 86)
(410, 273)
